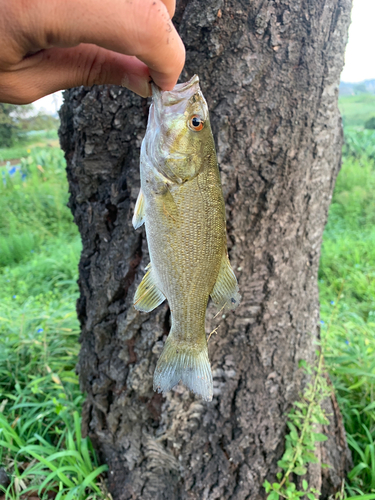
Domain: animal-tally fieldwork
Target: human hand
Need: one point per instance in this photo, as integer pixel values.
(50, 45)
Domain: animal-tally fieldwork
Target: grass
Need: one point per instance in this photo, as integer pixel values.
(26, 143)
(41, 446)
(33, 206)
(347, 296)
(357, 109)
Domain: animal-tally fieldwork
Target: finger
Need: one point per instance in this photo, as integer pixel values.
(142, 28)
(171, 7)
(57, 69)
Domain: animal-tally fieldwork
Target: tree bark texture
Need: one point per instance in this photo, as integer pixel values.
(269, 70)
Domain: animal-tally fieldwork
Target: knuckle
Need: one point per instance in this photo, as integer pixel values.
(95, 69)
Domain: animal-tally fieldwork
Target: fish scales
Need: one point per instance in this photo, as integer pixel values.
(181, 203)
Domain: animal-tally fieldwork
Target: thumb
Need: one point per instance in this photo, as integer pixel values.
(56, 69)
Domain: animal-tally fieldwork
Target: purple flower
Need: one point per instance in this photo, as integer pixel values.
(40, 330)
(332, 303)
(347, 342)
(321, 322)
(14, 296)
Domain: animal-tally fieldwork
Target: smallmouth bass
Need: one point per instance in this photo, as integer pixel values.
(181, 203)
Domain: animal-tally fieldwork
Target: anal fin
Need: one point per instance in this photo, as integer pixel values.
(148, 296)
(139, 211)
(225, 292)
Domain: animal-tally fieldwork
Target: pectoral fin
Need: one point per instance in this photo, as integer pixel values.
(139, 211)
(225, 292)
(148, 296)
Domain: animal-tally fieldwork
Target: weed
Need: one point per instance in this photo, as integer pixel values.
(303, 421)
(41, 446)
(40, 398)
(348, 264)
(357, 109)
(33, 206)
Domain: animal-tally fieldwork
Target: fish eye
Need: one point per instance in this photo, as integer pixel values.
(196, 123)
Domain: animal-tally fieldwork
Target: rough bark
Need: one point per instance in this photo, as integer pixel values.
(270, 71)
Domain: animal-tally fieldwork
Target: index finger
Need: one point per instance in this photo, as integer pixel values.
(141, 28)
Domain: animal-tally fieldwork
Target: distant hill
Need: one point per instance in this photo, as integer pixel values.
(365, 87)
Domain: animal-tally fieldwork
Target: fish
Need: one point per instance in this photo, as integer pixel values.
(182, 206)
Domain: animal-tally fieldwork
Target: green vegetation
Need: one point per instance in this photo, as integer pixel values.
(38, 121)
(300, 445)
(357, 109)
(347, 295)
(27, 142)
(16, 121)
(33, 209)
(8, 127)
(41, 446)
(370, 123)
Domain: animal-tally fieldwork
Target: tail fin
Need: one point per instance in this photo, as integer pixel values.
(185, 363)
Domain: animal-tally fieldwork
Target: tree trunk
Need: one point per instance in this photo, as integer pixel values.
(269, 70)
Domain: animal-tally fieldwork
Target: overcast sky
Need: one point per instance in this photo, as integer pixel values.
(359, 56)
(360, 51)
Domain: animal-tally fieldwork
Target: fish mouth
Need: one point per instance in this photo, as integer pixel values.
(180, 92)
(173, 102)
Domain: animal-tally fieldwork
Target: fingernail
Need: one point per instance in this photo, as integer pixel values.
(138, 84)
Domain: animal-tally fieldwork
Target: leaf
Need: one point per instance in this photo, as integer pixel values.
(309, 457)
(358, 384)
(273, 496)
(357, 469)
(294, 436)
(371, 406)
(318, 436)
(292, 427)
(370, 496)
(267, 486)
(325, 466)
(300, 471)
(305, 484)
(320, 419)
(288, 454)
(90, 478)
(291, 487)
(283, 465)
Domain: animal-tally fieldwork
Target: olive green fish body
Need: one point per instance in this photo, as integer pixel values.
(182, 206)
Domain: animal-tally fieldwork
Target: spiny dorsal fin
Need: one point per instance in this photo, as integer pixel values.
(139, 211)
(225, 292)
(148, 296)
